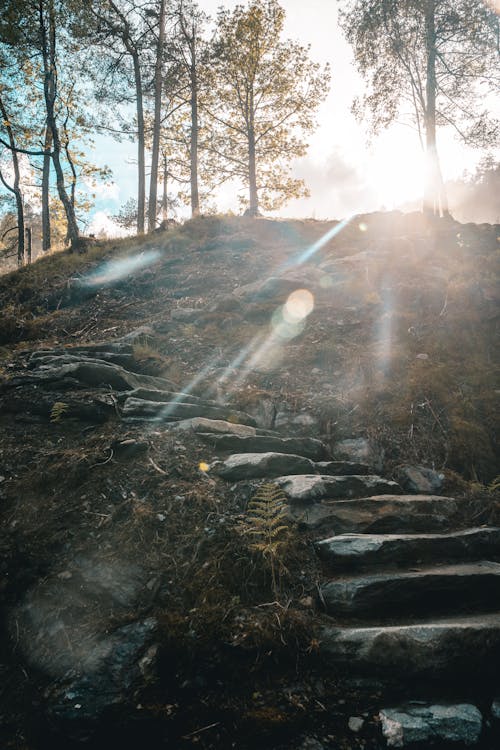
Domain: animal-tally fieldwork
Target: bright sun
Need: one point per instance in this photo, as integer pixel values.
(397, 168)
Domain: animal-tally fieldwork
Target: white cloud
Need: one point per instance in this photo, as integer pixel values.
(102, 223)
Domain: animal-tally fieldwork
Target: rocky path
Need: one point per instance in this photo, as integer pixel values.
(410, 592)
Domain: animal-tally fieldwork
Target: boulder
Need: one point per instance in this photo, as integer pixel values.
(260, 465)
(313, 487)
(127, 665)
(419, 479)
(358, 449)
(427, 723)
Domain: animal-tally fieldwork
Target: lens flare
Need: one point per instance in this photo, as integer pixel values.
(115, 270)
(298, 306)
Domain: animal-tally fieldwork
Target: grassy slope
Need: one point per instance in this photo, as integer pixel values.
(426, 290)
(400, 344)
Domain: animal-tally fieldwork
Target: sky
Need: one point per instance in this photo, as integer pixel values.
(345, 172)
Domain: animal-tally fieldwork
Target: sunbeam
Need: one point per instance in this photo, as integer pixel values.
(114, 270)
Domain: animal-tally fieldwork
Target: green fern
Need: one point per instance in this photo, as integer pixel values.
(59, 408)
(264, 522)
(494, 486)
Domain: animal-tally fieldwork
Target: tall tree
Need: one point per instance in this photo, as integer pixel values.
(120, 31)
(15, 187)
(190, 51)
(426, 59)
(266, 94)
(158, 88)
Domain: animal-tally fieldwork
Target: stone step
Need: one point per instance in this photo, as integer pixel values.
(387, 514)
(377, 549)
(219, 427)
(150, 394)
(312, 488)
(343, 468)
(241, 466)
(269, 465)
(168, 411)
(438, 589)
(299, 446)
(451, 649)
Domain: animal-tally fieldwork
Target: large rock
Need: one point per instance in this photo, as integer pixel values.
(428, 723)
(387, 514)
(419, 479)
(87, 372)
(376, 549)
(127, 665)
(158, 411)
(465, 648)
(260, 465)
(300, 446)
(313, 487)
(438, 589)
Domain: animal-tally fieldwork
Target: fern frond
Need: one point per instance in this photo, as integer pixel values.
(59, 408)
(264, 523)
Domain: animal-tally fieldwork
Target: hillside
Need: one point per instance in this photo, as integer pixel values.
(132, 376)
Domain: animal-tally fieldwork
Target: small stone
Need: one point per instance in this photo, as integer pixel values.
(160, 516)
(65, 575)
(356, 723)
(421, 722)
(423, 355)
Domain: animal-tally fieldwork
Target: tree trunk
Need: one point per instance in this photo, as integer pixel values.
(155, 151)
(435, 201)
(16, 187)
(28, 245)
(50, 94)
(164, 200)
(253, 209)
(195, 197)
(46, 238)
(141, 148)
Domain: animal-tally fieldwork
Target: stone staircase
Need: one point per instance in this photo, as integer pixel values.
(410, 594)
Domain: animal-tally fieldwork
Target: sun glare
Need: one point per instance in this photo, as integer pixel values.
(397, 169)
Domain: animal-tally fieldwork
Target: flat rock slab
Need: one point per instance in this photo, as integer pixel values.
(299, 446)
(342, 468)
(260, 465)
(314, 487)
(385, 514)
(215, 427)
(159, 411)
(377, 549)
(152, 394)
(441, 588)
(456, 648)
(89, 372)
(423, 722)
